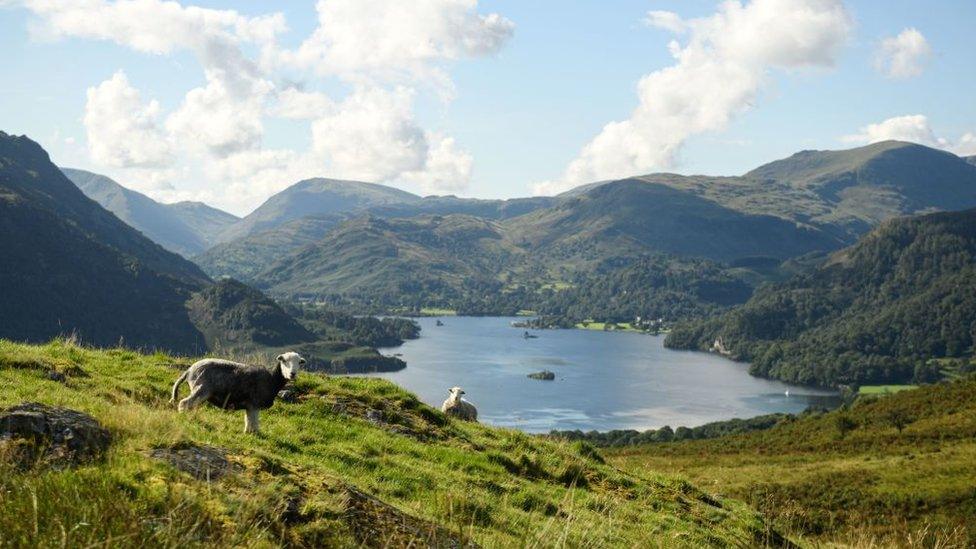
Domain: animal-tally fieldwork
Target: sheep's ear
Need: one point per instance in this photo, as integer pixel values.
(280, 358)
(302, 361)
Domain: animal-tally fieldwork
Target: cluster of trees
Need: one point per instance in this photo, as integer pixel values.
(630, 437)
(366, 331)
(876, 313)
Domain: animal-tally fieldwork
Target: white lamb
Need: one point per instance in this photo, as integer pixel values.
(458, 407)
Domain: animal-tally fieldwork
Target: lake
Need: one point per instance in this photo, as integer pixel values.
(604, 380)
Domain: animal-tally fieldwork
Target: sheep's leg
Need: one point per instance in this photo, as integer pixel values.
(251, 421)
(197, 397)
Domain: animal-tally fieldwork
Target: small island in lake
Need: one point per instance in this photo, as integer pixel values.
(544, 375)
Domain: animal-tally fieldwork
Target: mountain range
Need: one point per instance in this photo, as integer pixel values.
(809, 204)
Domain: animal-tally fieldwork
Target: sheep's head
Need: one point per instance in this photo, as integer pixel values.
(456, 392)
(290, 363)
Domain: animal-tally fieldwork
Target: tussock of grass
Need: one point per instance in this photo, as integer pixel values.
(297, 483)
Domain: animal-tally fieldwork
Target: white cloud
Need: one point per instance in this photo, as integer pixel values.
(446, 170)
(395, 39)
(904, 55)
(214, 139)
(372, 135)
(122, 130)
(667, 20)
(717, 73)
(914, 128)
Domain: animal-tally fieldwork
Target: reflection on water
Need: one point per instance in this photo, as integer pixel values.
(604, 380)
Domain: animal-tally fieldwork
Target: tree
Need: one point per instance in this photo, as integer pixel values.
(844, 424)
(898, 418)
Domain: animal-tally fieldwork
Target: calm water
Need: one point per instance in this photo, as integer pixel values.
(604, 380)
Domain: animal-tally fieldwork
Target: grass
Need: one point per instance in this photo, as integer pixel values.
(496, 487)
(884, 389)
(886, 471)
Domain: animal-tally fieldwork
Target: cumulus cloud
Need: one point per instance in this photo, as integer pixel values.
(392, 39)
(372, 135)
(122, 130)
(914, 128)
(904, 55)
(447, 168)
(380, 50)
(718, 72)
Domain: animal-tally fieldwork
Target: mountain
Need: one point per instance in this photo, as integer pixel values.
(186, 228)
(246, 256)
(877, 312)
(315, 197)
(630, 216)
(69, 265)
(970, 159)
(400, 260)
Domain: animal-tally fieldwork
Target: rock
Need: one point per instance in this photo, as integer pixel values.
(544, 375)
(202, 462)
(288, 395)
(55, 375)
(374, 416)
(57, 436)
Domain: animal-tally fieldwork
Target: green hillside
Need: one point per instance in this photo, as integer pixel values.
(876, 312)
(631, 216)
(247, 256)
(351, 462)
(428, 258)
(892, 471)
(186, 228)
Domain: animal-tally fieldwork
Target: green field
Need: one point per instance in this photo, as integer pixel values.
(607, 326)
(433, 311)
(893, 471)
(295, 484)
(884, 389)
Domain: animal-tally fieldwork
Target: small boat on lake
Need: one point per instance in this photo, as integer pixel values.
(439, 323)
(527, 335)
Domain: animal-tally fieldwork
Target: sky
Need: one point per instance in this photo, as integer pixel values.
(229, 102)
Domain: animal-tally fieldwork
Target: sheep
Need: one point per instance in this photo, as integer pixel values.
(458, 407)
(235, 386)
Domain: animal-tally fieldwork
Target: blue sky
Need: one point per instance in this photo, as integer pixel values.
(517, 108)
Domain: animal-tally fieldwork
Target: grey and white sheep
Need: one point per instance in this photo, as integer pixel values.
(458, 407)
(235, 386)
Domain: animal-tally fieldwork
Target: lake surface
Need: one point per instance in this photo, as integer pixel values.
(604, 380)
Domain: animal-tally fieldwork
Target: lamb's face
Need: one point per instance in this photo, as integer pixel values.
(290, 363)
(456, 392)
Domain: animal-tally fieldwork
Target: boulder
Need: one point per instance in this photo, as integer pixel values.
(55, 436)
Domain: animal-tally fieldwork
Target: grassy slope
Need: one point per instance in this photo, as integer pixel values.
(874, 485)
(497, 487)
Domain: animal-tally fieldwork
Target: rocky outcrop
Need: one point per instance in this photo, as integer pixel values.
(34, 433)
(378, 524)
(201, 462)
